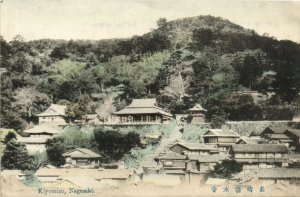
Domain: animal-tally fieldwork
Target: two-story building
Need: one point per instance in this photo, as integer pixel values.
(82, 157)
(223, 138)
(172, 163)
(203, 163)
(193, 149)
(254, 156)
(38, 135)
(54, 115)
(143, 111)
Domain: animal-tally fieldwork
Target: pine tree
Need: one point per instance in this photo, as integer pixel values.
(15, 156)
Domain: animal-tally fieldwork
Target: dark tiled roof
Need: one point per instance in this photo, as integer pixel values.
(196, 146)
(248, 140)
(142, 106)
(221, 133)
(259, 148)
(295, 132)
(278, 136)
(274, 129)
(171, 155)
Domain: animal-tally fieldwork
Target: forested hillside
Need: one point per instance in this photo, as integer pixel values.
(192, 60)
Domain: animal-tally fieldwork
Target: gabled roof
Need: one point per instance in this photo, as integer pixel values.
(81, 153)
(278, 136)
(207, 158)
(272, 129)
(43, 128)
(142, 106)
(54, 110)
(171, 155)
(221, 133)
(259, 148)
(248, 140)
(195, 146)
(295, 132)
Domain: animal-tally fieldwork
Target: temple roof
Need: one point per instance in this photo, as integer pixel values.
(54, 110)
(43, 128)
(81, 153)
(142, 106)
(197, 107)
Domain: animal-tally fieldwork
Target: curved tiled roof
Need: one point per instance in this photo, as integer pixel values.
(143, 106)
(43, 128)
(54, 110)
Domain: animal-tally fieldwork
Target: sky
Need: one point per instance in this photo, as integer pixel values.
(102, 19)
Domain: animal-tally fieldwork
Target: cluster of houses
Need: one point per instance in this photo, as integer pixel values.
(140, 111)
(265, 155)
(272, 150)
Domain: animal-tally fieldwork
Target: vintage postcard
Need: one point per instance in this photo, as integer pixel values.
(149, 98)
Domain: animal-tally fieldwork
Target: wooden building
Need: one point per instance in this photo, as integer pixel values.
(293, 134)
(270, 130)
(254, 156)
(248, 140)
(278, 139)
(143, 111)
(203, 163)
(82, 157)
(222, 138)
(172, 161)
(43, 130)
(54, 115)
(276, 175)
(193, 149)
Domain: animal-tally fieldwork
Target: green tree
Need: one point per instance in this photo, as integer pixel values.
(113, 145)
(226, 169)
(9, 137)
(15, 156)
(55, 147)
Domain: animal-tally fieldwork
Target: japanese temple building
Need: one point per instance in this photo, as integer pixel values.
(143, 111)
(197, 114)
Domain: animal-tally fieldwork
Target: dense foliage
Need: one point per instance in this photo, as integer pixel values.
(192, 60)
(226, 169)
(16, 157)
(55, 147)
(113, 145)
